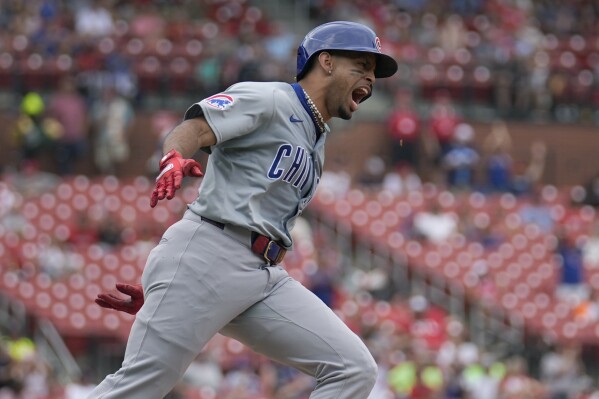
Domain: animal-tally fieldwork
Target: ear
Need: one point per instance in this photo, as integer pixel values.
(325, 60)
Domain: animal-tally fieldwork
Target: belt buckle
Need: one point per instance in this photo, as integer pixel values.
(267, 256)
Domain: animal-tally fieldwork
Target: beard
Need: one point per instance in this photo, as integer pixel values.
(344, 113)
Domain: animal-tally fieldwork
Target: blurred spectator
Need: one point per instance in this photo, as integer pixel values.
(497, 159)
(79, 389)
(35, 132)
(429, 382)
(562, 372)
(591, 191)
(83, 232)
(288, 382)
(402, 378)
(452, 34)
(434, 225)
(31, 182)
(372, 175)
(457, 349)
(572, 286)
(162, 123)
(11, 216)
(536, 211)
(111, 115)
(484, 228)
(453, 386)
(428, 327)
(517, 383)
(528, 175)
(281, 43)
(403, 126)
(35, 373)
(538, 80)
(335, 176)
(147, 237)
(205, 371)
(587, 311)
(56, 259)
(148, 23)
(461, 159)
(239, 382)
(590, 248)
(19, 347)
(377, 282)
(487, 287)
(68, 106)
(93, 19)
(110, 231)
(443, 121)
(208, 71)
(322, 284)
(416, 379)
(119, 75)
(8, 382)
(481, 379)
(24, 374)
(402, 180)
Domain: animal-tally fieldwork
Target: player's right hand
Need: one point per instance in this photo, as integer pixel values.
(172, 169)
(130, 305)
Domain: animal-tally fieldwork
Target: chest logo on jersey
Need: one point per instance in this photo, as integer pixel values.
(220, 101)
(291, 164)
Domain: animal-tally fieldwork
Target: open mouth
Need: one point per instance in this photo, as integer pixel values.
(358, 95)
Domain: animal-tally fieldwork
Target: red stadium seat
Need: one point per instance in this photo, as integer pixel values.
(7, 71)
(36, 73)
(81, 183)
(92, 272)
(180, 76)
(150, 73)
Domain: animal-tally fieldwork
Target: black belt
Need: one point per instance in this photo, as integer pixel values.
(262, 245)
(214, 223)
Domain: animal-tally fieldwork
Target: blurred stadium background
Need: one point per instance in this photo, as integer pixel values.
(455, 228)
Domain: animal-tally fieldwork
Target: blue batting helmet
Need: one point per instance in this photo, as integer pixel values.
(343, 35)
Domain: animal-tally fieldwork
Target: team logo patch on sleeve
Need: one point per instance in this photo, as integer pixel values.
(220, 101)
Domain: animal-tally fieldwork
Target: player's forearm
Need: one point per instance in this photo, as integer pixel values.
(188, 137)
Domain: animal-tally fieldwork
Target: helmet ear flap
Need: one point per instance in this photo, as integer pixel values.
(306, 68)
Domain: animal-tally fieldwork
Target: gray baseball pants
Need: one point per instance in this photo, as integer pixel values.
(201, 280)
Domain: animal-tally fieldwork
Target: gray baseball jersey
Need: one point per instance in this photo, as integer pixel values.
(202, 279)
(266, 152)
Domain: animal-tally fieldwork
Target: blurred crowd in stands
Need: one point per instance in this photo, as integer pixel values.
(441, 148)
(83, 68)
(530, 59)
(422, 351)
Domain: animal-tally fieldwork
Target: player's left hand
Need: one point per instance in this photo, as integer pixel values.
(129, 305)
(172, 169)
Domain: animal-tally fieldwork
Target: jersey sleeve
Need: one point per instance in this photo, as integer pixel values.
(235, 112)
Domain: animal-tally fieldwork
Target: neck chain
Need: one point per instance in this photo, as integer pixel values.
(315, 112)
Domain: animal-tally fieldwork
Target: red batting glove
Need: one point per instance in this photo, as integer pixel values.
(129, 305)
(172, 169)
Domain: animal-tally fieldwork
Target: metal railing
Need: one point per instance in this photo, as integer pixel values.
(489, 327)
(51, 345)
(48, 342)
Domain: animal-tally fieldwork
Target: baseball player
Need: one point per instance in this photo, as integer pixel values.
(217, 269)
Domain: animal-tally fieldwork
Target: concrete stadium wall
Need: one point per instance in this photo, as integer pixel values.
(573, 151)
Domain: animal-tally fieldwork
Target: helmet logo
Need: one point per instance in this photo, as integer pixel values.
(377, 43)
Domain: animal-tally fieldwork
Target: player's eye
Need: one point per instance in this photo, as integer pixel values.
(365, 65)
